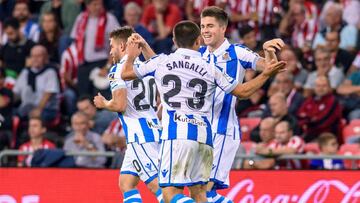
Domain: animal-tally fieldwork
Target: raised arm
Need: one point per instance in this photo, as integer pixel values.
(145, 47)
(270, 48)
(133, 50)
(245, 90)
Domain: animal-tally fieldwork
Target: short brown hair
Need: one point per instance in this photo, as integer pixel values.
(38, 118)
(122, 33)
(185, 33)
(219, 14)
(324, 138)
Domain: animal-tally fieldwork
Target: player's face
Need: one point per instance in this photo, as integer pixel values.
(212, 32)
(115, 50)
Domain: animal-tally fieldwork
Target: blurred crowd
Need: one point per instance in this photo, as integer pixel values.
(54, 57)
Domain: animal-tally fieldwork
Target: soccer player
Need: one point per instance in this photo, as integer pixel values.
(135, 103)
(232, 59)
(186, 84)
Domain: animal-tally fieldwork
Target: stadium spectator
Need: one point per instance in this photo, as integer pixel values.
(65, 12)
(6, 7)
(328, 145)
(333, 22)
(267, 136)
(132, 16)
(81, 139)
(193, 9)
(258, 14)
(295, 25)
(294, 66)
(284, 83)
(28, 27)
(278, 111)
(285, 143)
(14, 53)
(91, 33)
(349, 91)
(50, 35)
(159, 18)
(355, 66)
(36, 131)
(248, 37)
(321, 112)
(323, 68)
(38, 87)
(351, 13)
(339, 57)
(6, 108)
(99, 120)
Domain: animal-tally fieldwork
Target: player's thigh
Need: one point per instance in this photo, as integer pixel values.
(201, 168)
(177, 160)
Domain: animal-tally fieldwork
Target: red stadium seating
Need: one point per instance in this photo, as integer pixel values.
(350, 149)
(247, 125)
(350, 130)
(15, 127)
(312, 148)
(355, 122)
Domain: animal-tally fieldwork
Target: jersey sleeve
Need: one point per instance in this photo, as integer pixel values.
(114, 78)
(147, 68)
(246, 57)
(224, 81)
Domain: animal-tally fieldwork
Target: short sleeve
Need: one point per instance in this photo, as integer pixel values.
(115, 80)
(224, 81)
(148, 68)
(356, 62)
(52, 84)
(246, 57)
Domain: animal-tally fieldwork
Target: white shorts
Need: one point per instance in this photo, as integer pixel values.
(225, 148)
(141, 160)
(184, 163)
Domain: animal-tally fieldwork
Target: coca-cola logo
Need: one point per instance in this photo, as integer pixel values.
(318, 192)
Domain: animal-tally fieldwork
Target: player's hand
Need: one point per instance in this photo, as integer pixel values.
(273, 45)
(133, 50)
(100, 101)
(273, 68)
(137, 39)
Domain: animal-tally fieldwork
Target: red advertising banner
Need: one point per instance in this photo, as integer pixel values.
(100, 186)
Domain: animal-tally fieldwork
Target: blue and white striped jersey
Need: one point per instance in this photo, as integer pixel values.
(187, 86)
(232, 59)
(139, 120)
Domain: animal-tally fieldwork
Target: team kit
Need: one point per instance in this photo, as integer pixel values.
(178, 110)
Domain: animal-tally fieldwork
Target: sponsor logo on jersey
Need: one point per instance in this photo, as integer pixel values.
(184, 119)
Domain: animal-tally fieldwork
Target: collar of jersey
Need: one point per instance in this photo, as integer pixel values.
(222, 48)
(189, 52)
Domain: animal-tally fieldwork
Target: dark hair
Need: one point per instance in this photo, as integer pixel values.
(122, 33)
(2, 73)
(84, 97)
(11, 22)
(39, 119)
(244, 30)
(324, 138)
(185, 33)
(219, 14)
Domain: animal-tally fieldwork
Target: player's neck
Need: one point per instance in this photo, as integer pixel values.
(213, 48)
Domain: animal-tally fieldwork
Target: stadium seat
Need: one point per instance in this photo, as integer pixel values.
(312, 148)
(248, 145)
(350, 130)
(247, 125)
(355, 122)
(350, 149)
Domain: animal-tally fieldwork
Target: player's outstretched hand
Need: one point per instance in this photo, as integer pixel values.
(99, 101)
(133, 49)
(273, 45)
(137, 39)
(273, 68)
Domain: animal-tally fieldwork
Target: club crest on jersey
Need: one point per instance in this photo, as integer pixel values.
(226, 56)
(185, 119)
(111, 76)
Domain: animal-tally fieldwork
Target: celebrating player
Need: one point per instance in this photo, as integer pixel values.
(233, 60)
(135, 103)
(187, 85)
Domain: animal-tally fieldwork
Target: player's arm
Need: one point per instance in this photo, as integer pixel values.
(117, 103)
(245, 90)
(133, 50)
(145, 47)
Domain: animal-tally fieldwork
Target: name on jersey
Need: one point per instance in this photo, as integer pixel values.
(186, 65)
(184, 119)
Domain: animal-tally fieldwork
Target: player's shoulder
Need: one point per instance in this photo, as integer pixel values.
(202, 49)
(158, 58)
(241, 48)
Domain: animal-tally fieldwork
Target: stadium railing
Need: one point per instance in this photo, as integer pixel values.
(353, 158)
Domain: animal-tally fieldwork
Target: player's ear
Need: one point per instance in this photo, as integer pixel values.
(122, 46)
